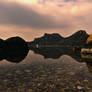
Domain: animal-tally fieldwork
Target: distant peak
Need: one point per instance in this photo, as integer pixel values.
(81, 31)
(52, 34)
(46, 34)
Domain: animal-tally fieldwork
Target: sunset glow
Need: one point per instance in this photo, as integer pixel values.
(74, 9)
(28, 1)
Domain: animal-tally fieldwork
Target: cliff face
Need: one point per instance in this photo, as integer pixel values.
(77, 39)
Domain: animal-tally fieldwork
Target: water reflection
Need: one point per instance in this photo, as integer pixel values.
(64, 74)
(18, 55)
(56, 53)
(14, 56)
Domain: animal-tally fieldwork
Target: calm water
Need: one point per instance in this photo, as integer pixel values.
(47, 71)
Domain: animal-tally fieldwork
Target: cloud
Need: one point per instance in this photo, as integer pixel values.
(70, 16)
(30, 20)
(20, 15)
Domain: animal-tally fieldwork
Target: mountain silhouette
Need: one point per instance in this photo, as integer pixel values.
(47, 39)
(77, 39)
(13, 49)
(56, 53)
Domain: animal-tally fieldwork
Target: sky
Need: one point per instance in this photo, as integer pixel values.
(30, 19)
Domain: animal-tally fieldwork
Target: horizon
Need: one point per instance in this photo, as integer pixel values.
(47, 33)
(32, 18)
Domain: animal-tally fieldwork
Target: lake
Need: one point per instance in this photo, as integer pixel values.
(47, 71)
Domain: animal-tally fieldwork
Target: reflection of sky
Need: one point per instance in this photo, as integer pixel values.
(32, 18)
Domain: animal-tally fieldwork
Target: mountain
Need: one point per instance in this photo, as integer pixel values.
(15, 44)
(47, 39)
(13, 49)
(77, 39)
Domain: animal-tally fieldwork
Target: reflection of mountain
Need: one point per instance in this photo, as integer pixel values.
(56, 53)
(89, 65)
(77, 39)
(88, 60)
(16, 56)
(14, 49)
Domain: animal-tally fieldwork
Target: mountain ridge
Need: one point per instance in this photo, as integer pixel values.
(79, 38)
